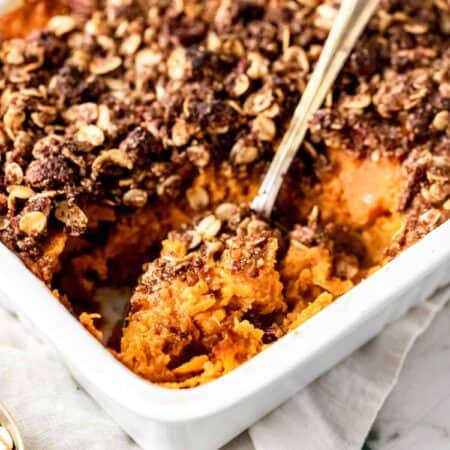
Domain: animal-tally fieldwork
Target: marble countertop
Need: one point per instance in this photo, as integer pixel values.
(416, 416)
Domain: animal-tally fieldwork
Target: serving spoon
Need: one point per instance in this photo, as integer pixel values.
(350, 21)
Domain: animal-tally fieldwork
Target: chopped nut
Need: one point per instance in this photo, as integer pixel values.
(106, 43)
(33, 223)
(264, 128)
(85, 112)
(102, 66)
(104, 118)
(145, 59)
(243, 153)
(209, 227)
(296, 55)
(225, 210)
(259, 66)
(135, 198)
(441, 120)
(240, 85)
(273, 111)
(178, 64)
(258, 102)
(415, 28)
(255, 226)
(359, 101)
(181, 132)
(13, 119)
(438, 192)
(41, 147)
(130, 45)
(61, 24)
(13, 173)
(430, 218)
(402, 92)
(22, 192)
(197, 197)
(72, 216)
(198, 155)
(213, 42)
(114, 157)
(91, 134)
(233, 46)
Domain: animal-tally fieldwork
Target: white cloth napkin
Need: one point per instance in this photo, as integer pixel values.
(334, 413)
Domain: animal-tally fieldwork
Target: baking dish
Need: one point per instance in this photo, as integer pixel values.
(208, 416)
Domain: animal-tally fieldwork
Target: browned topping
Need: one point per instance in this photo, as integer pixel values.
(124, 106)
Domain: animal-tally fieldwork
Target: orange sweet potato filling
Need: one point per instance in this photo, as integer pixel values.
(32, 15)
(359, 195)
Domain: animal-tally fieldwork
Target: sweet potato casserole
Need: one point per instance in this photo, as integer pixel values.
(125, 122)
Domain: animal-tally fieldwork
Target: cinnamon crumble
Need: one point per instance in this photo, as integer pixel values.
(120, 123)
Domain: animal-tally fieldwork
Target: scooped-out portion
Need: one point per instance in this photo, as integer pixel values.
(133, 138)
(215, 297)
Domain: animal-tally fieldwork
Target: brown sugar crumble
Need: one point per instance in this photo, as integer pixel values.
(120, 124)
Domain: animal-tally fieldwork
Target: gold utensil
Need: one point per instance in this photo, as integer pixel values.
(350, 21)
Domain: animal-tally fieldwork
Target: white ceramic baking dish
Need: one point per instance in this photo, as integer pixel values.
(208, 416)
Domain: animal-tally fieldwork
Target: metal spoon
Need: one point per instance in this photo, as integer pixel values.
(351, 20)
(7, 422)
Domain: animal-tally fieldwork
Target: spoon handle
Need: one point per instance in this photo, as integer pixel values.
(350, 21)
